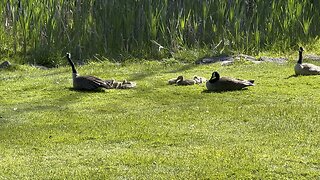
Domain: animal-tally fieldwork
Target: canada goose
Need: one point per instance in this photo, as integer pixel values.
(305, 68)
(86, 82)
(217, 83)
(184, 82)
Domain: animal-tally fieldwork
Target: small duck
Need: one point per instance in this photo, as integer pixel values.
(217, 83)
(305, 68)
(196, 80)
(123, 85)
(184, 82)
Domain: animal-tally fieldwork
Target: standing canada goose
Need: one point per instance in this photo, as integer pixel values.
(305, 68)
(217, 83)
(184, 82)
(86, 82)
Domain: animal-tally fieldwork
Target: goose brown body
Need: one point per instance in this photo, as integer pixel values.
(217, 83)
(305, 68)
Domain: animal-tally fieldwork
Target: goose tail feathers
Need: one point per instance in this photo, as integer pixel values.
(251, 82)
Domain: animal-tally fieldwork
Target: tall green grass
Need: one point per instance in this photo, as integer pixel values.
(43, 30)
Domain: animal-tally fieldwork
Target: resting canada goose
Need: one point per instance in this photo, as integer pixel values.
(86, 82)
(184, 82)
(305, 68)
(217, 83)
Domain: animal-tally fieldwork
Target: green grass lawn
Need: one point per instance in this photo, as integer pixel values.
(158, 131)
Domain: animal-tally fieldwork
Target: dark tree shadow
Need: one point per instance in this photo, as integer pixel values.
(141, 75)
(183, 68)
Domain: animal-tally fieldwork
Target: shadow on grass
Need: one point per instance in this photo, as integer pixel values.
(56, 73)
(48, 74)
(57, 103)
(183, 68)
(207, 91)
(294, 75)
(142, 75)
(2, 119)
(99, 90)
(291, 76)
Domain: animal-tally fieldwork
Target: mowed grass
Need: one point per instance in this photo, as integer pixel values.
(158, 131)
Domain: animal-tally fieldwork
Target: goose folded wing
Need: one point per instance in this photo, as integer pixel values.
(94, 82)
(246, 82)
(311, 68)
(232, 83)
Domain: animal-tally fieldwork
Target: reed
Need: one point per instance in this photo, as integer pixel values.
(43, 30)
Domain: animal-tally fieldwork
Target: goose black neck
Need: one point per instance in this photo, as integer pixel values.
(72, 65)
(300, 57)
(214, 78)
(180, 78)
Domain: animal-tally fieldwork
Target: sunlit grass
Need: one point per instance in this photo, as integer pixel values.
(48, 130)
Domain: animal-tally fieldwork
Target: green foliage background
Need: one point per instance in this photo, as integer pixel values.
(45, 29)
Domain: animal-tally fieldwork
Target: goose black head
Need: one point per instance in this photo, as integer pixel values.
(215, 77)
(179, 78)
(300, 55)
(301, 49)
(68, 55)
